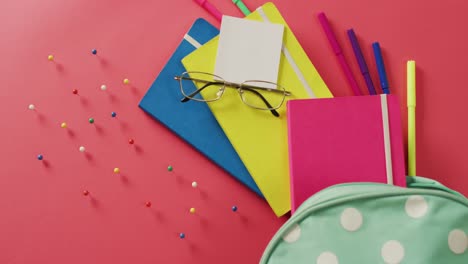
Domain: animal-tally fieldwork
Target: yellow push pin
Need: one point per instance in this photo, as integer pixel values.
(50, 57)
(126, 81)
(116, 170)
(63, 125)
(192, 210)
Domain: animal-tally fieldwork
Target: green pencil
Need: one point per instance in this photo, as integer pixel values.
(242, 7)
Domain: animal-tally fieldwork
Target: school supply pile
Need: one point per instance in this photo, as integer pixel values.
(248, 97)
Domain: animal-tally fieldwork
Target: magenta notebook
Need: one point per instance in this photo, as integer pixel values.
(342, 140)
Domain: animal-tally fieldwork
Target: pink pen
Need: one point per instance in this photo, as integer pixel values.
(210, 8)
(339, 54)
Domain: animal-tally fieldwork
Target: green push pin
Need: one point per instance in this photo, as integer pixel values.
(91, 120)
(169, 168)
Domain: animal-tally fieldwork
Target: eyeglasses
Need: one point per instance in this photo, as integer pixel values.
(208, 87)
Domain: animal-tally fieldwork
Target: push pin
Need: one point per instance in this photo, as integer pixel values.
(50, 57)
(194, 184)
(94, 51)
(40, 157)
(82, 149)
(234, 208)
(31, 107)
(192, 210)
(91, 120)
(113, 114)
(148, 204)
(63, 125)
(103, 87)
(85, 192)
(169, 168)
(131, 141)
(182, 235)
(116, 170)
(75, 91)
(126, 81)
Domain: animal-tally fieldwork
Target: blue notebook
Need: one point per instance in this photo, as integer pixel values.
(193, 121)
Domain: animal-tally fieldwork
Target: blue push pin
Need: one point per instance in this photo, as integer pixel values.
(40, 157)
(113, 114)
(234, 208)
(94, 51)
(182, 235)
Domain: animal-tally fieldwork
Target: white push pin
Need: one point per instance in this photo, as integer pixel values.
(31, 107)
(194, 184)
(103, 87)
(82, 149)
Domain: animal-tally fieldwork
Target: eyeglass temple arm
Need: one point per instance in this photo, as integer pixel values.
(248, 88)
(273, 111)
(286, 93)
(187, 98)
(234, 85)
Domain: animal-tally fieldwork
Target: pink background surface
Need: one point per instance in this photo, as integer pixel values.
(46, 219)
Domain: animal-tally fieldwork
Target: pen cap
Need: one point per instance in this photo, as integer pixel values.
(411, 82)
(380, 65)
(357, 51)
(245, 10)
(328, 31)
(200, 2)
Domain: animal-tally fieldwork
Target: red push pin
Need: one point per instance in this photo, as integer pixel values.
(85, 192)
(131, 141)
(148, 204)
(75, 91)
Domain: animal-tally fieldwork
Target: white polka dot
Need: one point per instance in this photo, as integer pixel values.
(416, 206)
(392, 252)
(293, 234)
(351, 219)
(327, 257)
(458, 242)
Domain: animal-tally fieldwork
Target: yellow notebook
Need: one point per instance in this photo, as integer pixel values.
(260, 138)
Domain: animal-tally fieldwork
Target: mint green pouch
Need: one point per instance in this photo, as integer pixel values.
(364, 223)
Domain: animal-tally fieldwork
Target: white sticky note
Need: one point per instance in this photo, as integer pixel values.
(248, 50)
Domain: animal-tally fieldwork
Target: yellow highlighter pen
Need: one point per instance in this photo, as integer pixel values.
(411, 103)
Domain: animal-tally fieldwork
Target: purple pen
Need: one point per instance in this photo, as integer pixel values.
(361, 61)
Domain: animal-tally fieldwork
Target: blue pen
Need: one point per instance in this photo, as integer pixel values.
(381, 68)
(361, 61)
